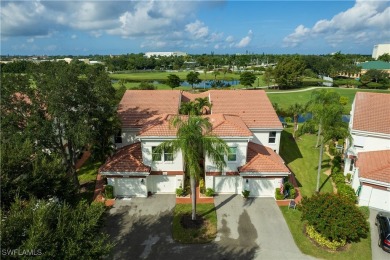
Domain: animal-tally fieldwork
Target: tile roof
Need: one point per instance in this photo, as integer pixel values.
(252, 106)
(374, 165)
(222, 125)
(372, 112)
(126, 159)
(263, 159)
(137, 106)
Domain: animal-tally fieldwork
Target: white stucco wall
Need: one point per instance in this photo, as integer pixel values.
(262, 136)
(175, 165)
(128, 137)
(231, 166)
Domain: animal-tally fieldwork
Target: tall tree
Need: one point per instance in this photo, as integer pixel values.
(173, 81)
(195, 141)
(193, 78)
(327, 113)
(247, 78)
(289, 71)
(296, 109)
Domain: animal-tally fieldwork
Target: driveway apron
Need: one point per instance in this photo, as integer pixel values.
(377, 252)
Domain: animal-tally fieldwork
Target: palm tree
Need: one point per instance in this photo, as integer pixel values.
(327, 112)
(200, 106)
(295, 110)
(195, 141)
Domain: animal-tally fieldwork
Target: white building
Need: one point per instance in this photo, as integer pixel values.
(367, 155)
(245, 119)
(165, 54)
(380, 49)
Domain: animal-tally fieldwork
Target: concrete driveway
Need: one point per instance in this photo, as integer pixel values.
(253, 229)
(377, 252)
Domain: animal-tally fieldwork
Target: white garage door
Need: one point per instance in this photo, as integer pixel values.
(374, 198)
(227, 184)
(161, 184)
(128, 187)
(261, 187)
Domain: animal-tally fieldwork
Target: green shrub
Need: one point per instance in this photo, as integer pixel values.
(202, 186)
(180, 192)
(365, 210)
(292, 193)
(338, 179)
(278, 196)
(209, 192)
(337, 160)
(347, 191)
(334, 216)
(323, 241)
(109, 192)
(336, 169)
(332, 148)
(288, 185)
(245, 193)
(349, 177)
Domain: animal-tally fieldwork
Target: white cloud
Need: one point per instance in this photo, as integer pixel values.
(197, 29)
(245, 41)
(230, 38)
(364, 19)
(74, 36)
(30, 40)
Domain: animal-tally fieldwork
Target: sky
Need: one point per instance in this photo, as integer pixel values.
(35, 27)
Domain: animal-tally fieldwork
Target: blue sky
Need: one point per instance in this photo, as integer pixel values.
(118, 27)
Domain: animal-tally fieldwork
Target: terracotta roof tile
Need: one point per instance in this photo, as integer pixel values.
(252, 106)
(263, 159)
(137, 106)
(372, 112)
(222, 125)
(374, 165)
(126, 159)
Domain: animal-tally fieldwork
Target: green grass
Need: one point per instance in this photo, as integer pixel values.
(205, 234)
(286, 99)
(302, 158)
(356, 251)
(87, 178)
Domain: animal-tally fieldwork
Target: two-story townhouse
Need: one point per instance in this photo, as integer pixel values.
(366, 156)
(246, 121)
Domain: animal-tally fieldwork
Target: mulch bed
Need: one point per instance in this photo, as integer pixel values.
(187, 222)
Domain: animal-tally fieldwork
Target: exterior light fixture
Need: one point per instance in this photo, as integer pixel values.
(142, 181)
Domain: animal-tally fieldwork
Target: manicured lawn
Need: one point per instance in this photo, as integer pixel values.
(361, 250)
(301, 156)
(286, 99)
(205, 234)
(87, 178)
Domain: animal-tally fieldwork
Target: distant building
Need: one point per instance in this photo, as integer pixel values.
(165, 54)
(380, 49)
(375, 65)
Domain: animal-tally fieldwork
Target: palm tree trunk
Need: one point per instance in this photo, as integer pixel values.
(295, 124)
(319, 166)
(318, 134)
(193, 196)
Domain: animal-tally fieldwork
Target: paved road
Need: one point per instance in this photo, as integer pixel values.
(141, 229)
(377, 252)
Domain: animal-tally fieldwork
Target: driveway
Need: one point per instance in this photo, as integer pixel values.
(377, 252)
(252, 229)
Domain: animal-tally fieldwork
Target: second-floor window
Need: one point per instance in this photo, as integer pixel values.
(232, 154)
(167, 155)
(272, 137)
(118, 137)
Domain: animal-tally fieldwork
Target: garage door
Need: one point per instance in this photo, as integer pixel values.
(375, 198)
(127, 187)
(227, 184)
(161, 184)
(261, 187)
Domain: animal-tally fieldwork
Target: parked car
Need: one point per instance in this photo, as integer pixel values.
(382, 221)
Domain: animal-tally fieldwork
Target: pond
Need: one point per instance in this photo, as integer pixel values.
(305, 117)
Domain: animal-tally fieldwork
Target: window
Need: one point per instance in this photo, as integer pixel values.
(118, 137)
(232, 154)
(156, 156)
(272, 137)
(168, 154)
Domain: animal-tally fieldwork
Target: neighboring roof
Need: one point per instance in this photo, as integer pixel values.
(222, 125)
(263, 159)
(372, 112)
(253, 106)
(375, 65)
(374, 165)
(137, 106)
(126, 159)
